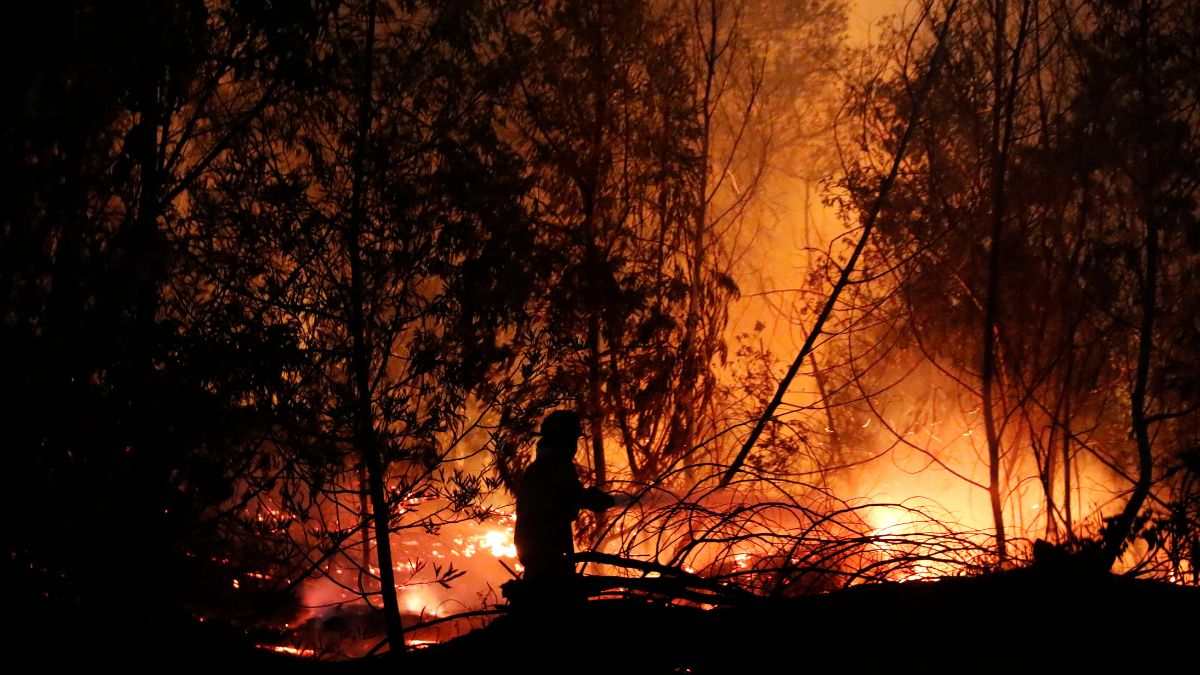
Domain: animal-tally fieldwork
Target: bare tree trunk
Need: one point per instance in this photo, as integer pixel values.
(145, 267)
(1121, 527)
(1004, 102)
(364, 514)
(595, 402)
(682, 442)
(1068, 518)
(364, 432)
(1119, 530)
(592, 229)
(988, 353)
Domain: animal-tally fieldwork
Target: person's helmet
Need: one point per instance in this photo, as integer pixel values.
(561, 425)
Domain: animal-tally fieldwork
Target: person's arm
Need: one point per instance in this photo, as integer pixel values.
(594, 499)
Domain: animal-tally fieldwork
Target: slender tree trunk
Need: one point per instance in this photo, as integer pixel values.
(1120, 529)
(595, 400)
(1060, 435)
(1066, 469)
(1049, 504)
(1005, 86)
(591, 191)
(364, 514)
(685, 433)
(365, 436)
(151, 460)
(992, 308)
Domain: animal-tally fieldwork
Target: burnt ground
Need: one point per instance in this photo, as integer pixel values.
(1022, 620)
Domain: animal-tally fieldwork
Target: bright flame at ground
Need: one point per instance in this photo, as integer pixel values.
(286, 649)
(420, 601)
(893, 527)
(500, 544)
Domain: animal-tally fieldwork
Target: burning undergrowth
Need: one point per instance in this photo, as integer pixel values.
(686, 539)
(778, 537)
(448, 568)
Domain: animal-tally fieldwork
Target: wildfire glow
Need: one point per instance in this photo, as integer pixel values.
(886, 520)
(891, 522)
(419, 601)
(500, 543)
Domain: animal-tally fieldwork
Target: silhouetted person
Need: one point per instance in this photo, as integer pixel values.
(549, 498)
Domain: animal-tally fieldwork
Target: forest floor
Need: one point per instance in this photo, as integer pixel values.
(1022, 620)
(1032, 620)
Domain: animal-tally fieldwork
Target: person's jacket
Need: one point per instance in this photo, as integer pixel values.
(549, 498)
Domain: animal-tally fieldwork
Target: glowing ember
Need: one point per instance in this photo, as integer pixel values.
(420, 643)
(287, 649)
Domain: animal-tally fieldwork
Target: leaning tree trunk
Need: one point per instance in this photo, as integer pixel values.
(872, 217)
(364, 427)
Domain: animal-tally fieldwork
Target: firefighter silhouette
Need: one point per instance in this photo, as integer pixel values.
(549, 498)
